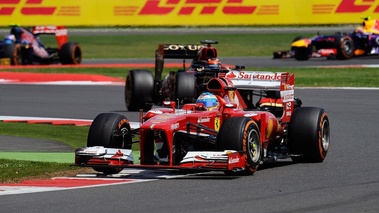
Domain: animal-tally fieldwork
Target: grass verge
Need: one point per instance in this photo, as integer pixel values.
(144, 46)
(17, 170)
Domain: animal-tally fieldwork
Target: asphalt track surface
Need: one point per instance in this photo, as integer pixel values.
(347, 181)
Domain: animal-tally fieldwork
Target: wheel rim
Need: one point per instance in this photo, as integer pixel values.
(325, 135)
(347, 47)
(120, 134)
(254, 146)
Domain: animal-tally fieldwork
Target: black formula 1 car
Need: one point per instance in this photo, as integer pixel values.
(363, 41)
(224, 138)
(142, 88)
(23, 46)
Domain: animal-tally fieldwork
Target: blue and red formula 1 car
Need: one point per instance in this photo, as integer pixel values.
(215, 133)
(363, 41)
(22, 46)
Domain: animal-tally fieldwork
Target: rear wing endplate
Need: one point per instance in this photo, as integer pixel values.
(60, 33)
(270, 81)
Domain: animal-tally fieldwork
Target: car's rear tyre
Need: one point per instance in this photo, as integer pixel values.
(13, 51)
(110, 130)
(185, 86)
(70, 53)
(139, 90)
(241, 134)
(345, 48)
(309, 135)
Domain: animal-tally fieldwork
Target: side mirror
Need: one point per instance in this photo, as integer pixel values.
(170, 104)
(230, 105)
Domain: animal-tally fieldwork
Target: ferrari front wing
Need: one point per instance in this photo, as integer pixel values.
(228, 160)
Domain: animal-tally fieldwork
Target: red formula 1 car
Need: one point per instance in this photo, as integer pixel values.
(143, 88)
(23, 46)
(216, 133)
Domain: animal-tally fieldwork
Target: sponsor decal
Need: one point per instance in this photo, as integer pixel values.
(346, 6)
(250, 114)
(287, 95)
(203, 120)
(288, 108)
(327, 52)
(176, 12)
(356, 6)
(201, 7)
(230, 75)
(254, 76)
(35, 8)
(174, 126)
(192, 47)
(326, 39)
(234, 160)
(217, 124)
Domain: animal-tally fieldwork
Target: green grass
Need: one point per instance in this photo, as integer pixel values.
(17, 170)
(73, 136)
(144, 46)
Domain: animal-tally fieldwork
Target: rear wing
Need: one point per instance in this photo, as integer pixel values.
(174, 51)
(287, 94)
(255, 80)
(269, 81)
(60, 33)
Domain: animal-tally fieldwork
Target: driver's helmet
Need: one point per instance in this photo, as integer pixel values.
(208, 100)
(9, 39)
(213, 63)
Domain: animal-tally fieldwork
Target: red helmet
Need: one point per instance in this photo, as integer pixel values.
(207, 52)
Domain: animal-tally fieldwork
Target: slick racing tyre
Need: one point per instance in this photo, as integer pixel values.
(309, 135)
(241, 134)
(110, 130)
(345, 47)
(70, 53)
(13, 51)
(185, 86)
(139, 90)
(301, 53)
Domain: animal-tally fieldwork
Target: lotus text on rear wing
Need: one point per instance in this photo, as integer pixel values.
(183, 47)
